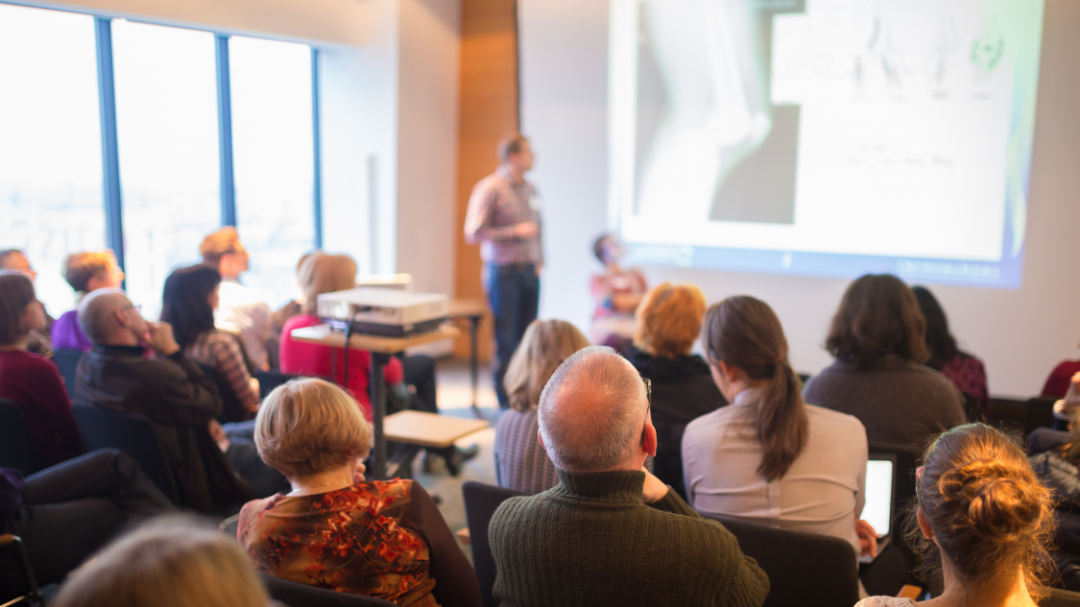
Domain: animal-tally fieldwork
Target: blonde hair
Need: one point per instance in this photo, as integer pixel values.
(324, 273)
(669, 320)
(545, 345)
(219, 243)
(307, 426)
(79, 268)
(171, 562)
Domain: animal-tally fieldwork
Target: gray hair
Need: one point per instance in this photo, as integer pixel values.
(97, 311)
(592, 411)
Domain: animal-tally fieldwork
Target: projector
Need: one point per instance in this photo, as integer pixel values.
(383, 312)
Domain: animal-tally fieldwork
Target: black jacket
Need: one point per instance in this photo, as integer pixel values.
(180, 402)
(682, 391)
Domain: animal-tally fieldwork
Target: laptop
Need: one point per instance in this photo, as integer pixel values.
(880, 490)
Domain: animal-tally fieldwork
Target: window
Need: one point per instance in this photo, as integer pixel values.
(167, 135)
(50, 143)
(272, 151)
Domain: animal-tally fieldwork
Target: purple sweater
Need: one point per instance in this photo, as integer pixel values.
(68, 335)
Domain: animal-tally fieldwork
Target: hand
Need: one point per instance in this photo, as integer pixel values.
(1072, 395)
(526, 229)
(358, 473)
(161, 338)
(218, 434)
(867, 538)
(539, 268)
(654, 489)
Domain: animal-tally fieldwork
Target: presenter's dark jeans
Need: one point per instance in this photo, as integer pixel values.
(514, 294)
(72, 509)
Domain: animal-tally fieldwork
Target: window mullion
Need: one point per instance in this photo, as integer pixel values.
(225, 132)
(110, 157)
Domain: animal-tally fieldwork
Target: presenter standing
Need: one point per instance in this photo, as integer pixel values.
(504, 217)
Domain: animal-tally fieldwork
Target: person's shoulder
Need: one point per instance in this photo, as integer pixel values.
(393, 488)
(518, 507)
(30, 363)
(300, 321)
(885, 601)
(709, 422)
(823, 415)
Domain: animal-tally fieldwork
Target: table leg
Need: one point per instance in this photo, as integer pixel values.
(378, 409)
(474, 328)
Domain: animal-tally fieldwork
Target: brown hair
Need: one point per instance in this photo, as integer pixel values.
(989, 512)
(171, 562)
(307, 426)
(79, 268)
(324, 273)
(16, 292)
(878, 316)
(511, 143)
(745, 332)
(669, 320)
(545, 345)
(219, 243)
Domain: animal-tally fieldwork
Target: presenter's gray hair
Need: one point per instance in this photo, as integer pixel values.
(601, 435)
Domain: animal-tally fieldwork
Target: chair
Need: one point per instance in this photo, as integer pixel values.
(1038, 413)
(803, 568)
(17, 448)
(294, 594)
(973, 408)
(133, 435)
(1008, 414)
(481, 501)
(268, 380)
(1061, 598)
(67, 360)
(29, 594)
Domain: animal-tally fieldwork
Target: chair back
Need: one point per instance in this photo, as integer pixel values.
(1061, 598)
(294, 594)
(803, 568)
(67, 360)
(1038, 413)
(268, 380)
(481, 502)
(26, 592)
(17, 447)
(133, 435)
(973, 410)
(1008, 414)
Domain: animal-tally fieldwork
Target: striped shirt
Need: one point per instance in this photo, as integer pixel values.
(497, 205)
(523, 464)
(220, 351)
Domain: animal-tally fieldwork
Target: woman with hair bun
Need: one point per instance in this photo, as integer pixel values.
(982, 522)
(768, 457)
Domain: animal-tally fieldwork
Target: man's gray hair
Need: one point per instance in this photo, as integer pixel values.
(592, 411)
(96, 312)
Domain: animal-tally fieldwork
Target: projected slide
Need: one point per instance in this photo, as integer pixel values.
(825, 137)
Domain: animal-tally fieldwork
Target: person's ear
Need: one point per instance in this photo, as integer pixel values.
(924, 524)
(120, 316)
(650, 438)
(728, 371)
(540, 437)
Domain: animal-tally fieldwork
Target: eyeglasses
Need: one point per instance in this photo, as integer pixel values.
(648, 409)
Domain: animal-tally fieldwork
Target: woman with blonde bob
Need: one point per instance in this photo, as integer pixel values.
(668, 323)
(521, 461)
(171, 562)
(335, 529)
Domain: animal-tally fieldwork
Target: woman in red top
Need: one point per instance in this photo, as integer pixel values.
(323, 273)
(30, 380)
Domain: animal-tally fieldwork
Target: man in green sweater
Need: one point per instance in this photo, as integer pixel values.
(611, 533)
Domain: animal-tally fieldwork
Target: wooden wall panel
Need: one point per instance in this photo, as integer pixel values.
(489, 110)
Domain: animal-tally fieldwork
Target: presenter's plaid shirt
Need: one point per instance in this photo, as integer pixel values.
(496, 206)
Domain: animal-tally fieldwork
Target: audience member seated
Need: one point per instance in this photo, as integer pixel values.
(669, 320)
(294, 307)
(769, 458)
(31, 380)
(335, 530)
(170, 562)
(39, 341)
(616, 293)
(85, 272)
(879, 376)
(523, 463)
(242, 309)
(964, 370)
(67, 512)
(983, 521)
(174, 395)
(1057, 464)
(611, 533)
(1058, 383)
(188, 302)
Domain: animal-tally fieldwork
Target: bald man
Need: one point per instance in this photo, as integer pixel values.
(610, 533)
(172, 392)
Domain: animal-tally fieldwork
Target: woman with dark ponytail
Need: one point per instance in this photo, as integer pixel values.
(769, 458)
(982, 522)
